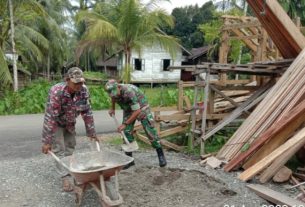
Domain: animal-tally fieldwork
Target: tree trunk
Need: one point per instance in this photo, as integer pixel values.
(13, 46)
(129, 65)
(48, 66)
(245, 7)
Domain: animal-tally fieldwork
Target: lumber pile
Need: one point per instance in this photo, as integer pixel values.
(282, 98)
(283, 32)
(274, 131)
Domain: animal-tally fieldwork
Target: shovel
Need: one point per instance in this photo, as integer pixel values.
(128, 147)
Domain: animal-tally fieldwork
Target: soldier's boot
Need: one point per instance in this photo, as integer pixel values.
(129, 164)
(162, 160)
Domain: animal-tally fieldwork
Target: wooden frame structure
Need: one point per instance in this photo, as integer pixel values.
(205, 123)
(250, 31)
(208, 114)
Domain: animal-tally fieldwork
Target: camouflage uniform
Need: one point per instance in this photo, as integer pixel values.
(131, 98)
(62, 109)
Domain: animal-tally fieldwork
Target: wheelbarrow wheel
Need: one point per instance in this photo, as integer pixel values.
(104, 204)
(110, 189)
(111, 192)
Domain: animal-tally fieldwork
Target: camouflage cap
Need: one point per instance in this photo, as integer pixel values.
(76, 75)
(112, 87)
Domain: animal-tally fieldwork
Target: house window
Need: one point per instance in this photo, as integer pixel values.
(138, 64)
(166, 64)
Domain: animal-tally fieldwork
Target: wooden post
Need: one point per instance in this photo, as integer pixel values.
(194, 110)
(223, 54)
(157, 123)
(204, 114)
(180, 95)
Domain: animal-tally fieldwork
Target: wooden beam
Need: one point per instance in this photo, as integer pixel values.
(171, 131)
(168, 108)
(254, 23)
(163, 142)
(276, 135)
(274, 196)
(224, 96)
(281, 132)
(171, 145)
(143, 138)
(252, 101)
(298, 139)
(286, 36)
(251, 69)
(244, 37)
(278, 164)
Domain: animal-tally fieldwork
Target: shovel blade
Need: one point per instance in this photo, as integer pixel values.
(131, 147)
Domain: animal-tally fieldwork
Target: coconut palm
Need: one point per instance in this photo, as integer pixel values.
(27, 40)
(52, 29)
(126, 25)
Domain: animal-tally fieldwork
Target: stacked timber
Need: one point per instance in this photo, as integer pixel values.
(283, 32)
(282, 98)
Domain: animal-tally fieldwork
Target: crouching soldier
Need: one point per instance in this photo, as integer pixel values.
(135, 107)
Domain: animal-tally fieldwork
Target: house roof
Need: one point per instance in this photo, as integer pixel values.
(197, 52)
(19, 69)
(112, 61)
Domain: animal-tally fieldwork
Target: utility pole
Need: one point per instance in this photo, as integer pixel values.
(13, 46)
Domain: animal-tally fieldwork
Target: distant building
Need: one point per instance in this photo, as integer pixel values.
(151, 66)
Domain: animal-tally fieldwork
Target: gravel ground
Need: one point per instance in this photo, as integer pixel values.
(183, 183)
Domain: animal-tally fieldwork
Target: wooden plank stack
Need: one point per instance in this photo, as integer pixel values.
(285, 94)
(275, 129)
(284, 33)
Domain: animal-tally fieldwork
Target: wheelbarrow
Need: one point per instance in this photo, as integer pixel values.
(98, 169)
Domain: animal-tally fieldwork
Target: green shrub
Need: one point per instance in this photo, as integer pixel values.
(29, 100)
(32, 99)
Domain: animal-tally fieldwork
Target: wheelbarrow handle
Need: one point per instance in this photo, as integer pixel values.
(58, 160)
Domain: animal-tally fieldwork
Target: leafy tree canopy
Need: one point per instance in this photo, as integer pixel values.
(187, 20)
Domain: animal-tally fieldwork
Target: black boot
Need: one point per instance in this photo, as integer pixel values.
(162, 160)
(129, 164)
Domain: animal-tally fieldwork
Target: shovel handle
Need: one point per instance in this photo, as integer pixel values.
(122, 133)
(98, 146)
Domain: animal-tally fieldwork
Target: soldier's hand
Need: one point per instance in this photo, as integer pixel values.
(45, 148)
(111, 112)
(121, 128)
(94, 138)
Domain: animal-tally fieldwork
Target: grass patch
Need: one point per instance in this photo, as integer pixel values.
(117, 141)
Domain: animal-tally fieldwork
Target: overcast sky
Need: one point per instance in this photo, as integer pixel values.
(181, 3)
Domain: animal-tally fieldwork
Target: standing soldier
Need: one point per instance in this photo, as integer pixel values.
(135, 107)
(65, 102)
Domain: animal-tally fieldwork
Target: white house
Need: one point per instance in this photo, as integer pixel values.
(151, 66)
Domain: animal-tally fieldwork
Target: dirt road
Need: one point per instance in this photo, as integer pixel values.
(20, 135)
(183, 183)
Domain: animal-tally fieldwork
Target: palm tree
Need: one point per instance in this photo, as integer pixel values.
(28, 41)
(13, 45)
(52, 28)
(126, 25)
(37, 24)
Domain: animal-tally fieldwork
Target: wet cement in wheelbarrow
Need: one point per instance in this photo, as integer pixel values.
(151, 187)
